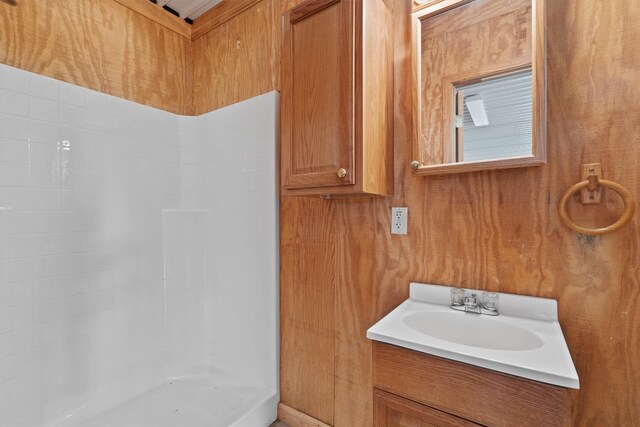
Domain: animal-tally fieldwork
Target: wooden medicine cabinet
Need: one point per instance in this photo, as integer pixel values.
(337, 99)
(479, 85)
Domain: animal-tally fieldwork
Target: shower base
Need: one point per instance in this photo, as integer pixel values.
(213, 401)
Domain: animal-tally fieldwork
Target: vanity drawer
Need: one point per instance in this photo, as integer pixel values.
(472, 393)
(393, 411)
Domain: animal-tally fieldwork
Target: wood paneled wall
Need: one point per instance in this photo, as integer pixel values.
(308, 244)
(236, 60)
(341, 269)
(101, 45)
(495, 230)
(239, 58)
(105, 46)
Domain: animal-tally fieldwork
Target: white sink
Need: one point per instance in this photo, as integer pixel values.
(474, 331)
(524, 340)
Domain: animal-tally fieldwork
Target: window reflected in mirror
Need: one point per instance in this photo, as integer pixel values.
(493, 117)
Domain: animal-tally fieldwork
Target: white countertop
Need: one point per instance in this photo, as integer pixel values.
(525, 340)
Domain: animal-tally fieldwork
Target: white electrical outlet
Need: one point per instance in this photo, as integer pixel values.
(399, 220)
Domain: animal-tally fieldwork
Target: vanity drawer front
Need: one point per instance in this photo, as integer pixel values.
(394, 411)
(477, 394)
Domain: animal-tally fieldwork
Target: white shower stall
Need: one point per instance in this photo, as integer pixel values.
(138, 260)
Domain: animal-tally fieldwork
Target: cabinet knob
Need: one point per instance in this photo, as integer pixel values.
(415, 165)
(342, 172)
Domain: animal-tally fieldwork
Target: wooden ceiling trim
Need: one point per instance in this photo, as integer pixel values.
(159, 15)
(218, 15)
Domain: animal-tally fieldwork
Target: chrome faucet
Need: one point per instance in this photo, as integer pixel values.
(461, 300)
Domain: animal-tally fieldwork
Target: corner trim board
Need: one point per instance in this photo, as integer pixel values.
(295, 418)
(218, 15)
(158, 15)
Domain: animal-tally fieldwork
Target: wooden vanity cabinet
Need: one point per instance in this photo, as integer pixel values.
(416, 389)
(337, 99)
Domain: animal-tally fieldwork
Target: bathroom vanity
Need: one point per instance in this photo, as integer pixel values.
(447, 356)
(412, 387)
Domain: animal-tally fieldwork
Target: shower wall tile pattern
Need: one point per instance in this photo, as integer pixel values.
(116, 219)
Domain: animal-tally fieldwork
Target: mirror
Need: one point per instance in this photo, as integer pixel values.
(479, 79)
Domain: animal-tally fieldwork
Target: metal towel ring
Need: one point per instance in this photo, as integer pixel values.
(629, 208)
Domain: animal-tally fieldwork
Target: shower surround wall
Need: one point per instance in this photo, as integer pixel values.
(128, 254)
(230, 170)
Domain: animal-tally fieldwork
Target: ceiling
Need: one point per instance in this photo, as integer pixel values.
(189, 8)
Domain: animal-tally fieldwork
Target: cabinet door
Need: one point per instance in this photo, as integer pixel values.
(317, 134)
(394, 411)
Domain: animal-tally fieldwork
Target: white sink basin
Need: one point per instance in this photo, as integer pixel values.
(475, 331)
(524, 340)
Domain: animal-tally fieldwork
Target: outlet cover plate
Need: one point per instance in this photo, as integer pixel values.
(399, 220)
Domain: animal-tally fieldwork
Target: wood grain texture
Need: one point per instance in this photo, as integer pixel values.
(499, 230)
(476, 394)
(420, 5)
(101, 45)
(317, 121)
(337, 101)
(376, 93)
(295, 418)
(218, 15)
(306, 306)
(235, 61)
(159, 15)
(494, 230)
(394, 411)
(502, 24)
(307, 325)
(218, 82)
(476, 39)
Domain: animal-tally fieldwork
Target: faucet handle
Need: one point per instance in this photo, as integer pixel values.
(457, 296)
(490, 301)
